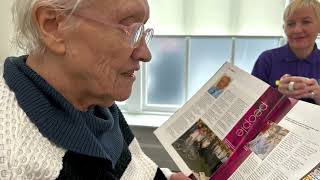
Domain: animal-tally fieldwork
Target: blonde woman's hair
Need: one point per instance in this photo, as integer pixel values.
(298, 4)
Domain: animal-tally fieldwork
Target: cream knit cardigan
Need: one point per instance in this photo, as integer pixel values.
(27, 155)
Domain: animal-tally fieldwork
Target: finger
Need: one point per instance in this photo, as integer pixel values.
(308, 92)
(311, 82)
(295, 79)
(313, 88)
(179, 176)
(299, 86)
(284, 76)
(314, 91)
(298, 93)
(283, 88)
(306, 95)
(295, 93)
(291, 86)
(193, 177)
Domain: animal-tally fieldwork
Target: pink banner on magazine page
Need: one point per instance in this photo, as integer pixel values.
(257, 115)
(267, 108)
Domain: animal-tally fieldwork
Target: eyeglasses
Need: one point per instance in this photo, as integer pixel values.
(134, 32)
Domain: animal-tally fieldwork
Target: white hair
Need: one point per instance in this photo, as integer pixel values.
(27, 36)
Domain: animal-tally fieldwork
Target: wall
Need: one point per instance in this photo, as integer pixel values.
(216, 17)
(167, 16)
(6, 47)
(190, 17)
(260, 17)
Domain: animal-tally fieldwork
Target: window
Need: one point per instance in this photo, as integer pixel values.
(206, 55)
(180, 65)
(318, 42)
(165, 75)
(248, 49)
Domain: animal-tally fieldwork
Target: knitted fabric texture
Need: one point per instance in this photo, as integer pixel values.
(58, 120)
(26, 152)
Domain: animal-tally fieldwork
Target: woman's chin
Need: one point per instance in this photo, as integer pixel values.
(299, 45)
(124, 96)
(123, 99)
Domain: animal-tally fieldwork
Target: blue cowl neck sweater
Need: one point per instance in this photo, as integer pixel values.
(93, 133)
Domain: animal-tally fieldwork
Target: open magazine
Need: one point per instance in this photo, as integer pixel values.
(238, 127)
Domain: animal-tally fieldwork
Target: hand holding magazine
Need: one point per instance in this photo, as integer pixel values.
(238, 127)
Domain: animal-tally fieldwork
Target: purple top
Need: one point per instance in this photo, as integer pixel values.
(273, 64)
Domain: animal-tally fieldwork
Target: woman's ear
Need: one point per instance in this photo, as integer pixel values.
(48, 20)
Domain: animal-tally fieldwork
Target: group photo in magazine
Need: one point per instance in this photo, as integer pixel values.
(267, 140)
(201, 148)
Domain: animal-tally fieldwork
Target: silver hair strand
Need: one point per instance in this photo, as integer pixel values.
(27, 36)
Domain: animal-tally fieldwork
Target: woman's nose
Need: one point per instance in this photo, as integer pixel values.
(142, 52)
(297, 28)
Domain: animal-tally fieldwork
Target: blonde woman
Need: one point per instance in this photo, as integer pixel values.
(295, 67)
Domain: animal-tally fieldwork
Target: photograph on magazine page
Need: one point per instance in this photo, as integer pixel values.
(201, 149)
(314, 174)
(267, 140)
(219, 87)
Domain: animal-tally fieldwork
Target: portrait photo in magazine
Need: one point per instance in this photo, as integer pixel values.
(201, 149)
(219, 87)
(267, 140)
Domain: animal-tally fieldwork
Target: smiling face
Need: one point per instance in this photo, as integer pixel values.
(302, 27)
(98, 56)
(224, 82)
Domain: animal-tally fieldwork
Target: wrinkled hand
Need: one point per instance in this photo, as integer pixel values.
(314, 91)
(179, 176)
(302, 87)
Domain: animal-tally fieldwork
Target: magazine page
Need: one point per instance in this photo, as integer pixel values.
(256, 120)
(200, 136)
(289, 149)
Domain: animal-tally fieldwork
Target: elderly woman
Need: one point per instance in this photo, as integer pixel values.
(58, 114)
(295, 67)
